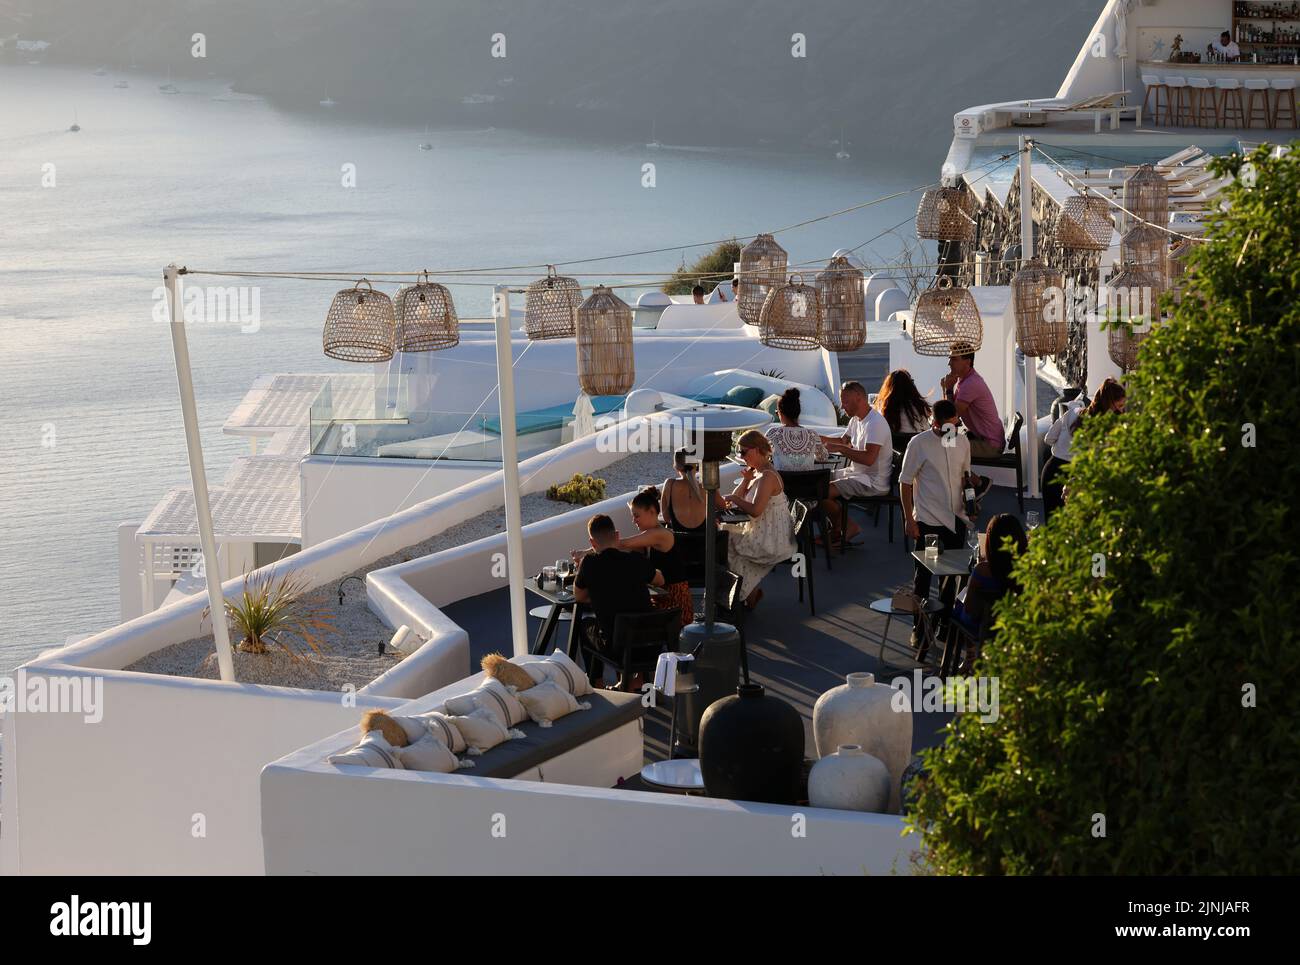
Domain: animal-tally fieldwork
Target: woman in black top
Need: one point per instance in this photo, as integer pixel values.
(683, 499)
(660, 545)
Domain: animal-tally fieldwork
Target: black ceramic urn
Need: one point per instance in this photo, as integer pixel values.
(751, 748)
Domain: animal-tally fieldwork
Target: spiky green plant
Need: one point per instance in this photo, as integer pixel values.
(276, 611)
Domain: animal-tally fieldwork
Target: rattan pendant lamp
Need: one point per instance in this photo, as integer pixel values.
(843, 302)
(791, 318)
(946, 320)
(763, 266)
(1040, 328)
(606, 364)
(1131, 302)
(551, 306)
(1148, 248)
(946, 214)
(360, 325)
(1085, 223)
(1146, 197)
(426, 317)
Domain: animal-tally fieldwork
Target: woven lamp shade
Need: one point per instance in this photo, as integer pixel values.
(762, 267)
(843, 303)
(606, 365)
(1084, 224)
(551, 307)
(1177, 264)
(946, 214)
(1040, 328)
(426, 318)
(360, 326)
(1137, 290)
(1148, 248)
(946, 318)
(1146, 196)
(792, 317)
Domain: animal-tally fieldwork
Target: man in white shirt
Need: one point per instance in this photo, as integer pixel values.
(931, 485)
(869, 447)
(1226, 48)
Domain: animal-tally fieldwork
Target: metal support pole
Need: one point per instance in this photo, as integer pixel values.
(1031, 369)
(510, 471)
(198, 478)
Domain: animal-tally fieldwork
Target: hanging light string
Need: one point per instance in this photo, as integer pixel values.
(1077, 183)
(393, 277)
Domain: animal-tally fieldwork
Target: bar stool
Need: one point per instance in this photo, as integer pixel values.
(1155, 86)
(1181, 99)
(1257, 87)
(1230, 97)
(1202, 93)
(1285, 89)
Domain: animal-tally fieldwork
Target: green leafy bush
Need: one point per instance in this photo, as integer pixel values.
(1148, 670)
(580, 490)
(709, 270)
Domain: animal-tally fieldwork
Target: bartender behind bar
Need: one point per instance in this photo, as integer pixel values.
(1225, 48)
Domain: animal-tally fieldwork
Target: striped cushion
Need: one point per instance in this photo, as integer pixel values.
(439, 725)
(549, 701)
(373, 751)
(492, 696)
(428, 754)
(480, 731)
(559, 669)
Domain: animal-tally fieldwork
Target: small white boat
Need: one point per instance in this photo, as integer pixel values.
(328, 101)
(654, 143)
(75, 125)
(100, 72)
(426, 144)
(841, 154)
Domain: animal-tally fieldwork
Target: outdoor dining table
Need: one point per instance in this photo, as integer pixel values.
(562, 600)
(955, 565)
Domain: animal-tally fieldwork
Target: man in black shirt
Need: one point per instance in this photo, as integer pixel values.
(611, 581)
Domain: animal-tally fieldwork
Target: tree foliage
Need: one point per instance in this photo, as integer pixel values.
(708, 270)
(1148, 669)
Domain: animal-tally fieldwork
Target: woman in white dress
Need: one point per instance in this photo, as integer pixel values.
(754, 547)
(794, 448)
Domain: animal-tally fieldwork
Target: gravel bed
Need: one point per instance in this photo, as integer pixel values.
(353, 656)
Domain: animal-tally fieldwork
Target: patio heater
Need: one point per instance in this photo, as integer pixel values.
(715, 646)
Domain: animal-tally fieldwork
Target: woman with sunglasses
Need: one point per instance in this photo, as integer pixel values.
(754, 547)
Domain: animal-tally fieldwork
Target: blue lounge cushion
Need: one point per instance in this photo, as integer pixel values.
(744, 395)
(553, 417)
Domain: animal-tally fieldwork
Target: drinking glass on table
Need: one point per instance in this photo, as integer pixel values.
(1031, 520)
(973, 541)
(564, 570)
(931, 546)
(548, 577)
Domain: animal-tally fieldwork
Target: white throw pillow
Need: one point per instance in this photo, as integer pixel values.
(429, 754)
(373, 751)
(558, 668)
(494, 697)
(481, 731)
(549, 701)
(435, 723)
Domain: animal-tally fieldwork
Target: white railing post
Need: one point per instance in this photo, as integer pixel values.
(194, 448)
(510, 470)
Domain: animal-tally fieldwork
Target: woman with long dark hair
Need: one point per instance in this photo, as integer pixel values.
(1110, 397)
(903, 406)
(1004, 541)
(794, 448)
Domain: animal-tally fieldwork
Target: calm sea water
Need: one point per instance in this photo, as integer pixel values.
(90, 429)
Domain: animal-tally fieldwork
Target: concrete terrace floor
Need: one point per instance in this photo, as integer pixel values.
(797, 657)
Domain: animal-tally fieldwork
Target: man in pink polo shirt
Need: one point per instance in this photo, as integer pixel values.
(975, 405)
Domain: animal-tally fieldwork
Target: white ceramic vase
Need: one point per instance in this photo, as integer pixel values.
(861, 711)
(849, 780)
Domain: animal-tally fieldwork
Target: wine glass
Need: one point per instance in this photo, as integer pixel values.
(973, 543)
(563, 570)
(1031, 520)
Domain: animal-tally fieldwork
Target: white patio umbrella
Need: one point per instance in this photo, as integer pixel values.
(1121, 37)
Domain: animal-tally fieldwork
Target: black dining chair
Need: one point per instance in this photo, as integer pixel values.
(886, 501)
(730, 608)
(811, 487)
(799, 518)
(639, 638)
(1009, 459)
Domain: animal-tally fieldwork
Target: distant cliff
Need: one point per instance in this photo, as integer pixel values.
(697, 71)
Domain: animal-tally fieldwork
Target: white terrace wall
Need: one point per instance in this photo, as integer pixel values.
(454, 824)
(118, 795)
